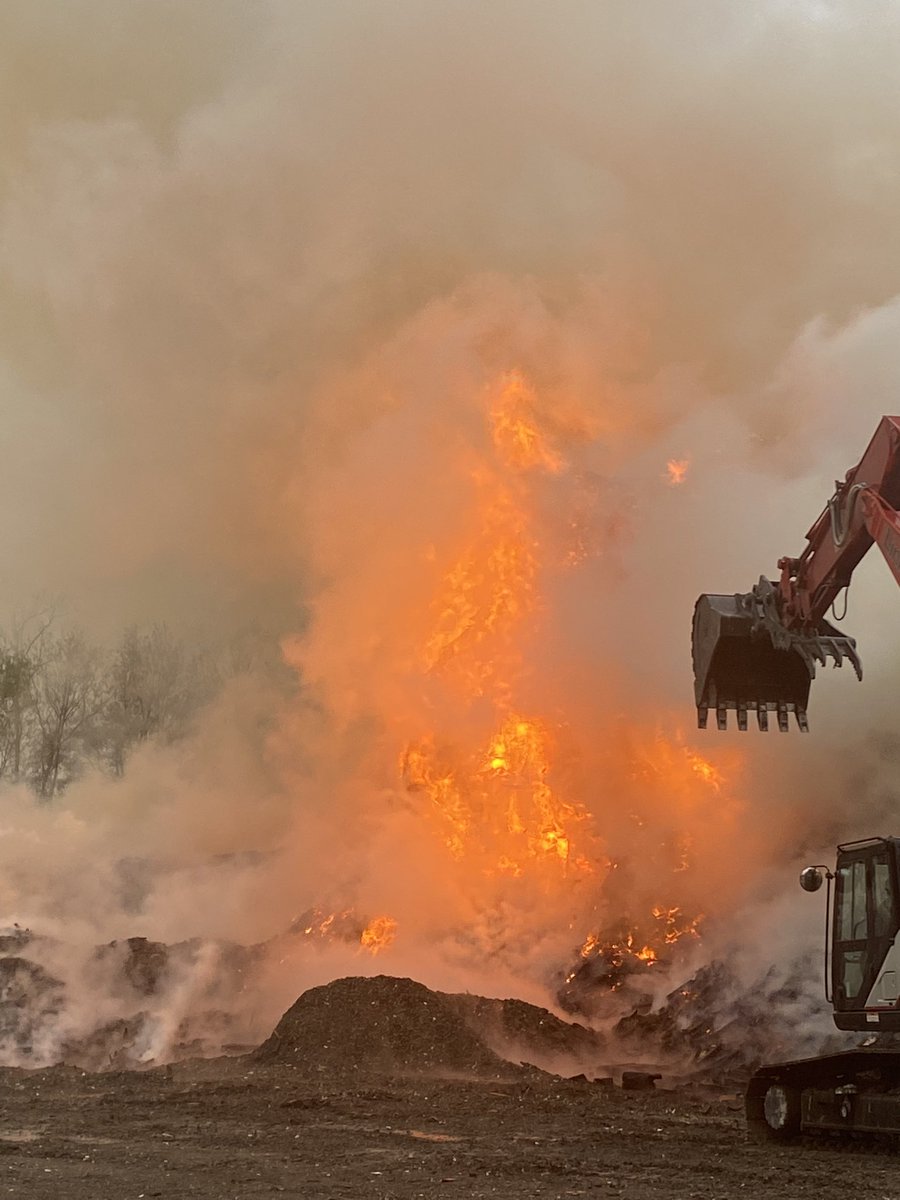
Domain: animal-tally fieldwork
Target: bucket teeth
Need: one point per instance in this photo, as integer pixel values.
(742, 708)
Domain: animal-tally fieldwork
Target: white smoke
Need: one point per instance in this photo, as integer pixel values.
(258, 269)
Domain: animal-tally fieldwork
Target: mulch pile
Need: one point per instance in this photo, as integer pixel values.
(385, 1024)
(380, 1024)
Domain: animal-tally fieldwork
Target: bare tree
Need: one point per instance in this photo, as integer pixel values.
(21, 656)
(153, 688)
(16, 676)
(68, 698)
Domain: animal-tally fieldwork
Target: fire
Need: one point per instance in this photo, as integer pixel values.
(538, 810)
(490, 592)
(675, 925)
(422, 770)
(519, 757)
(500, 795)
(636, 949)
(378, 934)
(515, 429)
(707, 772)
(345, 926)
(486, 594)
(676, 470)
(498, 803)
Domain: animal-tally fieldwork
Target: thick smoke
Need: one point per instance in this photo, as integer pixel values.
(262, 268)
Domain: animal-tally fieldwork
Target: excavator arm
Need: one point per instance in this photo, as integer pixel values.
(759, 650)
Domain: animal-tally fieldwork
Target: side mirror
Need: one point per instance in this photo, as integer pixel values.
(811, 879)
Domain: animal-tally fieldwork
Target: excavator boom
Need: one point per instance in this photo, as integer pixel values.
(758, 650)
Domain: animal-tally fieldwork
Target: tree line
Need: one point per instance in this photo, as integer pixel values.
(66, 704)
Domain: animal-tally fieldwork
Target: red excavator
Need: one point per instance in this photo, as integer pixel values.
(759, 651)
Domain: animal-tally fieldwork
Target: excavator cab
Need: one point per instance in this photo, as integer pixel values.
(865, 967)
(746, 660)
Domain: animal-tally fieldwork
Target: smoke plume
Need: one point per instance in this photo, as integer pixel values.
(373, 329)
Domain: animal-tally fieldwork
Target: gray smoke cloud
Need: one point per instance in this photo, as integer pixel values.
(260, 267)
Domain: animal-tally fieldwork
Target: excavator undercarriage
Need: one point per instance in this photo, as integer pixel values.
(856, 1091)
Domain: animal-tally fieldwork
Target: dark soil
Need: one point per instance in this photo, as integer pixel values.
(229, 1129)
(381, 1088)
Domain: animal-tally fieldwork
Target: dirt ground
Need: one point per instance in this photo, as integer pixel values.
(231, 1127)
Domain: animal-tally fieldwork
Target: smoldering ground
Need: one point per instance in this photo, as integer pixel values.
(264, 270)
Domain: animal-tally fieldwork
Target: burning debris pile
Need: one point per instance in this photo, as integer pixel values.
(162, 1003)
(715, 1027)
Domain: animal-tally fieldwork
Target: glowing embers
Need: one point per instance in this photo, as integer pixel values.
(675, 925)
(498, 802)
(676, 470)
(609, 958)
(317, 925)
(618, 952)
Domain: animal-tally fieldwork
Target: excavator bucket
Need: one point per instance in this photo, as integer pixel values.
(744, 660)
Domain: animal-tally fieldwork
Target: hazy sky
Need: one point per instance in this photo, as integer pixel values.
(208, 209)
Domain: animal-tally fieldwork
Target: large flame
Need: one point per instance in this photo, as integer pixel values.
(505, 807)
(498, 797)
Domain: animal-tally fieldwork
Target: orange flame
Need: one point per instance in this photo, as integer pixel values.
(485, 595)
(643, 949)
(346, 926)
(500, 805)
(501, 794)
(378, 934)
(515, 427)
